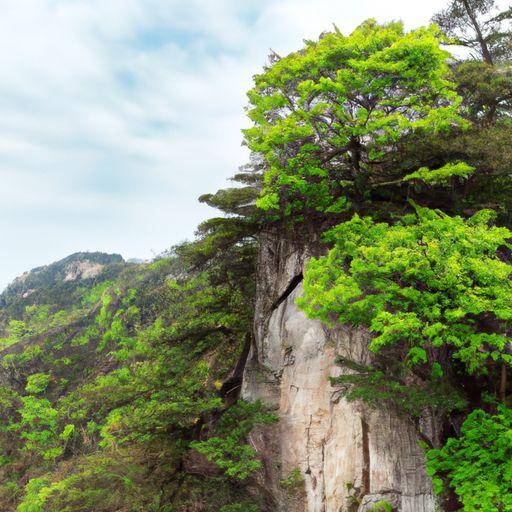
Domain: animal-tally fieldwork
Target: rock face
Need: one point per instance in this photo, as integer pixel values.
(82, 269)
(325, 454)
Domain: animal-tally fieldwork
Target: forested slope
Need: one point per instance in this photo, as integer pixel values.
(111, 372)
(120, 382)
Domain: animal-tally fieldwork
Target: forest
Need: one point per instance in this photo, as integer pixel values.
(121, 391)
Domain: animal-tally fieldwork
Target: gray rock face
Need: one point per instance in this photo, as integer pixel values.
(84, 269)
(325, 454)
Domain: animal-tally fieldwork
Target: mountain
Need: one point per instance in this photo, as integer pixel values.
(57, 283)
(111, 375)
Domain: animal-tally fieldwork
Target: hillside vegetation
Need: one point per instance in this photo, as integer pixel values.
(120, 381)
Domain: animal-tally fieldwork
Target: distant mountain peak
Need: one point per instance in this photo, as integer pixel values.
(75, 268)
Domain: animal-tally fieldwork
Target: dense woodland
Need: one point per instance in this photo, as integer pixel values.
(120, 392)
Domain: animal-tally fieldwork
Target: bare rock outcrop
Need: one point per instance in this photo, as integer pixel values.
(82, 269)
(325, 454)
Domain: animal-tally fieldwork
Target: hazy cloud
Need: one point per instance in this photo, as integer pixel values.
(116, 115)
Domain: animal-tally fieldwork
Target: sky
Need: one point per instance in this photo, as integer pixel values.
(115, 115)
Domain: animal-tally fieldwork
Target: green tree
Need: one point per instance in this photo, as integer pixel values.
(434, 291)
(227, 447)
(330, 118)
(487, 92)
(37, 382)
(478, 464)
(480, 26)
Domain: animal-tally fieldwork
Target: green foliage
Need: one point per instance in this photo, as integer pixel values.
(37, 382)
(34, 495)
(478, 464)
(443, 175)
(487, 91)
(98, 483)
(85, 336)
(226, 448)
(381, 506)
(428, 283)
(95, 294)
(38, 427)
(174, 398)
(240, 507)
(105, 314)
(293, 484)
(388, 380)
(16, 330)
(328, 118)
(27, 356)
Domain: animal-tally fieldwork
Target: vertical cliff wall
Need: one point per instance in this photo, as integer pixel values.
(324, 454)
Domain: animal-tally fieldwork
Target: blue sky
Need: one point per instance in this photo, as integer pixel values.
(116, 115)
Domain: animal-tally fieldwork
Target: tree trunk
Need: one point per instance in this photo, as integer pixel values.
(486, 54)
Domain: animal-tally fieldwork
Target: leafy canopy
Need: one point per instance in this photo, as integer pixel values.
(328, 118)
(227, 448)
(478, 464)
(427, 284)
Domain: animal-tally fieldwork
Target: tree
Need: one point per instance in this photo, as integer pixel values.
(478, 464)
(485, 80)
(479, 26)
(487, 92)
(435, 292)
(330, 118)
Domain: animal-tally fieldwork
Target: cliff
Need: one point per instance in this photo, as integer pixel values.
(325, 454)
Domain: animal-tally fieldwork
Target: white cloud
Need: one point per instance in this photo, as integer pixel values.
(116, 115)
